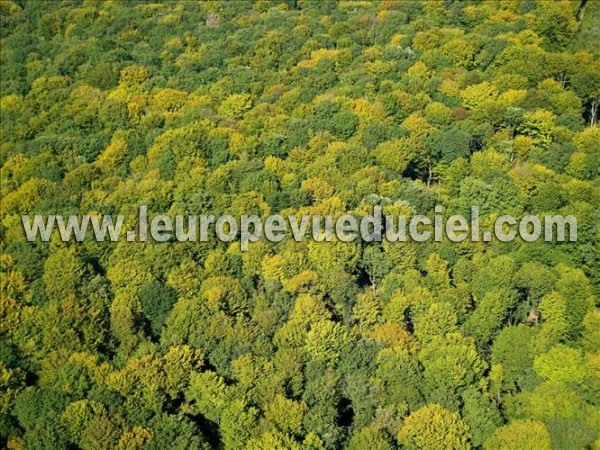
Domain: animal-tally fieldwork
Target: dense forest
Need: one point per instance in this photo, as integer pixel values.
(300, 107)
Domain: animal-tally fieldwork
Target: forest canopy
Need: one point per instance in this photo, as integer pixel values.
(300, 107)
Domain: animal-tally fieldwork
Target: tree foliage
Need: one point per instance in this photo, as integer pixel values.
(299, 107)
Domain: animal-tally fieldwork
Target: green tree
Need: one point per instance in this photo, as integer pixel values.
(525, 434)
(369, 438)
(481, 414)
(561, 363)
(434, 427)
(236, 423)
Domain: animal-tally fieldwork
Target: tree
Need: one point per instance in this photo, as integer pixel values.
(395, 155)
(236, 423)
(369, 438)
(156, 300)
(325, 340)
(517, 367)
(287, 415)
(556, 23)
(178, 365)
(439, 320)
(451, 364)
(447, 145)
(273, 441)
(399, 378)
(299, 107)
(553, 309)
(576, 290)
(481, 413)
(571, 421)
(367, 310)
(522, 434)
(587, 85)
(207, 394)
(225, 293)
(377, 264)
(536, 279)
(489, 315)
(176, 432)
(434, 427)
(561, 363)
(78, 415)
(235, 105)
(477, 94)
(591, 335)
(63, 272)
